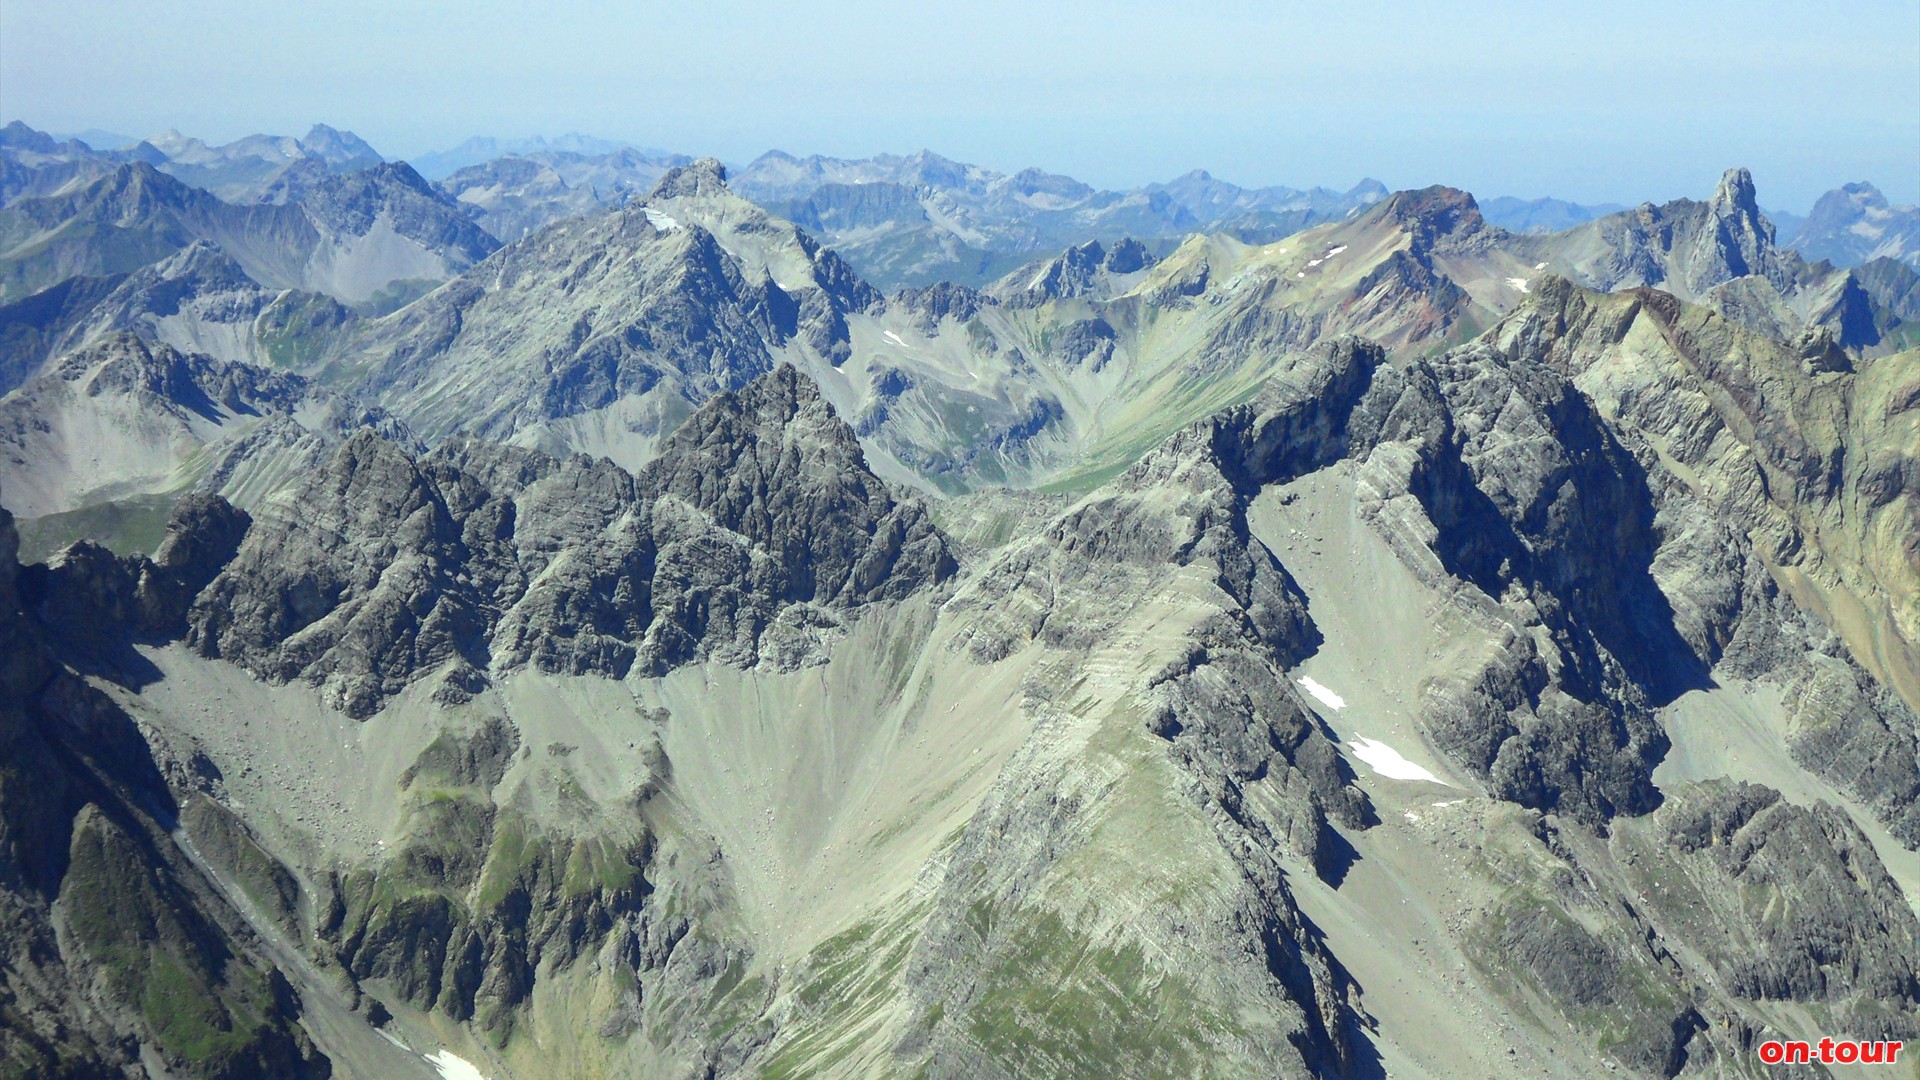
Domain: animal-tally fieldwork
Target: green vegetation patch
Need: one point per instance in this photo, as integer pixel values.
(1058, 1003)
(395, 295)
(296, 330)
(842, 987)
(1607, 988)
(211, 1013)
(132, 526)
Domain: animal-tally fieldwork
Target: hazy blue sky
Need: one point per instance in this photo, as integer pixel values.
(1617, 101)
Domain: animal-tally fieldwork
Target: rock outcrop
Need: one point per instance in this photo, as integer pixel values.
(119, 953)
(754, 538)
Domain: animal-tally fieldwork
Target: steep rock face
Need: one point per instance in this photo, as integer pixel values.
(118, 950)
(942, 301)
(1498, 474)
(1723, 253)
(1079, 271)
(1848, 939)
(1894, 288)
(779, 468)
(480, 899)
(752, 539)
(1684, 246)
(37, 327)
(758, 538)
(1434, 217)
(98, 599)
(1675, 942)
(384, 234)
(1813, 468)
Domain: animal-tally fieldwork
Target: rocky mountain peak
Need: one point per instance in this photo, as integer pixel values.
(927, 167)
(1741, 240)
(1368, 190)
(18, 135)
(399, 172)
(206, 262)
(741, 436)
(1129, 255)
(705, 176)
(372, 478)
(171, 142)
(122, 362)
(1843, 206)
(1432, 213)
(1854, 224)
(137, 180)
(1035, 182)
(339, 148)
(1863, 192)
(753, 537)
(1736, 194)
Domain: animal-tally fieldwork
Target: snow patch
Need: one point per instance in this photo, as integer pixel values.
(1325, 696)
(895, 338)
(454, 1067)
(1387, 761)
(663, 222)
(1519, 283)
(1331, 252)
(1539, 266)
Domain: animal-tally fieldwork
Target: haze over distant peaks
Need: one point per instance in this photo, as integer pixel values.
(1854, 224)
(437, 165)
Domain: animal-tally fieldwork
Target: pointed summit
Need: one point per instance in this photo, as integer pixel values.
(705, 176)
(1742, 243)
(1736, 192)
(1368, 190)
(341, 149)
(774, 463)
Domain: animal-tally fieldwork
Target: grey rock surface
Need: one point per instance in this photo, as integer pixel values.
(753, 538)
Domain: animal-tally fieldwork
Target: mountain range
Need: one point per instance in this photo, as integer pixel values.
(902, 220)
(688, 632)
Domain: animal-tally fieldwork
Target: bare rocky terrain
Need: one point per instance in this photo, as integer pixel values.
(1398, 648)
